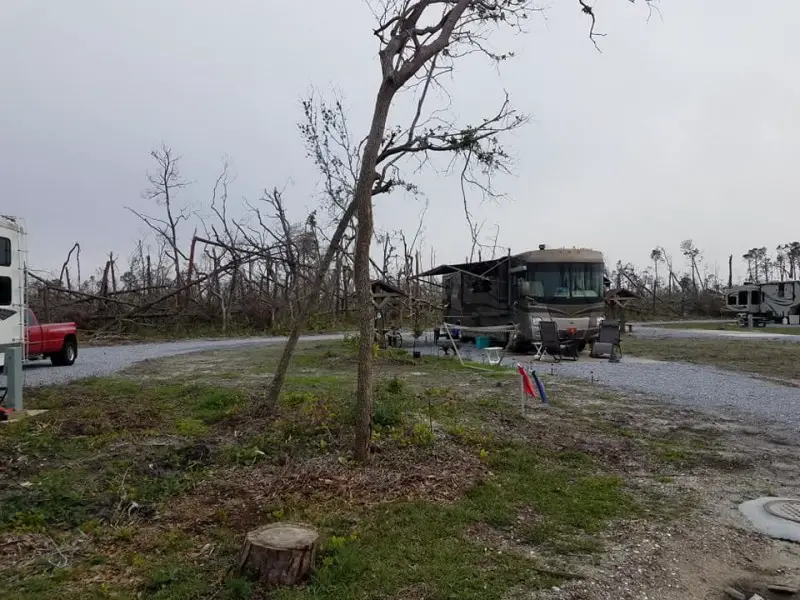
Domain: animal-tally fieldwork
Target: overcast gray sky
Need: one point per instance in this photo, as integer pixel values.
(684, 127)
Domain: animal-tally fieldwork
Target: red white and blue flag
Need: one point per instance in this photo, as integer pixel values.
(531, 387)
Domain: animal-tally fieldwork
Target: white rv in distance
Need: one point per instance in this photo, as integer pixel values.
(13, 251)
(771, 301)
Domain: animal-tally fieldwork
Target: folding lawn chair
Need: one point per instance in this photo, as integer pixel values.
(553, 345)
(608, 342)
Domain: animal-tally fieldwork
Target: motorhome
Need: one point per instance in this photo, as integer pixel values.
(771, 301)
(565, 285)
(12, 283)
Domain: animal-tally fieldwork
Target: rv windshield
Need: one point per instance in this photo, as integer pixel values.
(563, 283)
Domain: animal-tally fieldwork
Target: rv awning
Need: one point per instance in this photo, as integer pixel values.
(476, 269)
(385, 288)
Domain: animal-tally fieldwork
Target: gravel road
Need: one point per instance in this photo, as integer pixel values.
(649, 330)
(106, 360)
(695, 386)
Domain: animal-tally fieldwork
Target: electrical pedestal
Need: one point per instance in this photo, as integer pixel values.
(13, 372)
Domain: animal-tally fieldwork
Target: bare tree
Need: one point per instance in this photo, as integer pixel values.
(657, 256)
(76, 248)
(692, 254)
(793, 256)
(758, 263)
(328, 143)
(751, 257)
(766, 262)
(330, 146)
(228, 239)
(257, 272)
(730, 270)
(781, 258)
(415, 36)
(422, 37)
(165, 183)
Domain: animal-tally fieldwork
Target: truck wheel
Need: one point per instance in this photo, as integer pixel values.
(67, 355)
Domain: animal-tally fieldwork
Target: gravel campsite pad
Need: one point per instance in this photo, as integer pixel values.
(696, 386)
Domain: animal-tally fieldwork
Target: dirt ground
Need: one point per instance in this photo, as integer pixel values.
(710, 546)
(687, 471)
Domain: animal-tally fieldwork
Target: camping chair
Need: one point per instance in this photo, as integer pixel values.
(445, 343)
(552, 343)
(608, 342)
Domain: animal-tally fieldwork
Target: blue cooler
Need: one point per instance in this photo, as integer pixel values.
(481, 342)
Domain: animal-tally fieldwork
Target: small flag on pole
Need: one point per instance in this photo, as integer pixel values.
(527, 384)
(540, 387)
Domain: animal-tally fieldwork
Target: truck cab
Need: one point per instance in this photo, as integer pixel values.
(56, 341)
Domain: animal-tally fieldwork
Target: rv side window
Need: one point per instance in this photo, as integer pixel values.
(743, 297)
(781, 290)
(5, 291)
(5, 252)
(732, 300)
(755, 297)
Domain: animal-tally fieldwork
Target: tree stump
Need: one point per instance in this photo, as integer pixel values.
(279, 554)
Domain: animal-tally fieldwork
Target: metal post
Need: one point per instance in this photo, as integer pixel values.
(613, 358)
(13, 370)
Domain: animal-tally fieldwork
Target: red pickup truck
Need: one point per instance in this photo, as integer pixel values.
(56, 341)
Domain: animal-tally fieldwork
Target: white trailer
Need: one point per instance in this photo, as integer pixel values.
(771, 301)
(13, 258)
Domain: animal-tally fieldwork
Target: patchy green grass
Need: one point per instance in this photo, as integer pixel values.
(764, 357)
(84, 456)
(143, 485)
(422, 546)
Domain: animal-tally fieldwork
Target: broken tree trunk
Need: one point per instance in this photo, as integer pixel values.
(279, 553)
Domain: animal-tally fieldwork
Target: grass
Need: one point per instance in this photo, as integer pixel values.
(729, 326)
(143, 485)
(422, 546)
(82, 456)
(763, 357)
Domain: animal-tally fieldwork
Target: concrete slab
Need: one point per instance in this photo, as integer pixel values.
(18, 415)
(774, 516)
